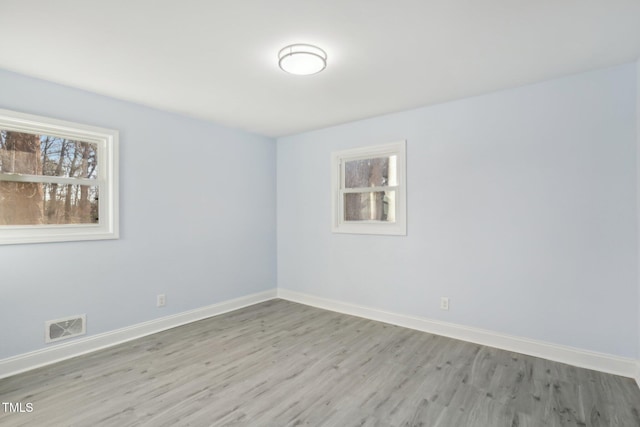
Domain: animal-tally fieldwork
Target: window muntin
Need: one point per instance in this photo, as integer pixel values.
(58, 180)
(369, 190)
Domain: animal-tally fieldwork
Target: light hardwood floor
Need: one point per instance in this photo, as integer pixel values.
(280, 363)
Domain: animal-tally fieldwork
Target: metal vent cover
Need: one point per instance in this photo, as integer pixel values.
(68, 327)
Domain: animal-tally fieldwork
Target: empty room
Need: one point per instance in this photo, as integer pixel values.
(320, 213)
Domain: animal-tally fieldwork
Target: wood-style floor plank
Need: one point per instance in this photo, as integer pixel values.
(285, 364)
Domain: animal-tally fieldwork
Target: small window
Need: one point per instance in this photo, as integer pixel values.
(58, 180)
(369, 190)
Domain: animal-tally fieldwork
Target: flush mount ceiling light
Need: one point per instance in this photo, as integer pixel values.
(302, 59)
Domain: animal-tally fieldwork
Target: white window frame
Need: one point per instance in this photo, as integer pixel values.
(338, 159)
(107, 180)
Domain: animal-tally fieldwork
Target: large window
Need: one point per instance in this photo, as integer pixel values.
(58, 180)
(369, 190)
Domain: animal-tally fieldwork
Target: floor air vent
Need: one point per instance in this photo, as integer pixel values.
(61, 329)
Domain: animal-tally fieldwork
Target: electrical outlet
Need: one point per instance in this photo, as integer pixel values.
(444, 303)
(161, 300)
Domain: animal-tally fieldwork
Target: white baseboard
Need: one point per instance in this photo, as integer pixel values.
(573, 356)
(56, 353)
(564, 354)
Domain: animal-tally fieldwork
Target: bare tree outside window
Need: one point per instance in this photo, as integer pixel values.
(370, 205)
(30, 201)
(369, 192)
(58, 180)
(20, 202)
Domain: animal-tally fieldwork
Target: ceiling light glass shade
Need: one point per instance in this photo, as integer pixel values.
(302, 59)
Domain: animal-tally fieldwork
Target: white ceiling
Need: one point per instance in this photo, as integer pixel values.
(217, 59)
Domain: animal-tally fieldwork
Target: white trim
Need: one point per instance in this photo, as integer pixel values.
(338, 159)
(573, 356)
(35, 359)
(107, 180)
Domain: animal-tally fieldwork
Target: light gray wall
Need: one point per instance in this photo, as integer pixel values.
(197, 214)
(521, 209)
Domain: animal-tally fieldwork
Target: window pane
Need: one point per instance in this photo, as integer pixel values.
(376, 172)
(28, 203)
(30, 154)
(373, 206)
